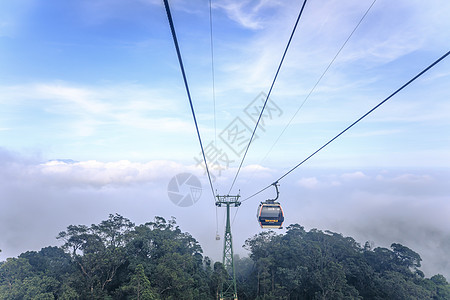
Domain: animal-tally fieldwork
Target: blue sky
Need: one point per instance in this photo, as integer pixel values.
(97, 82)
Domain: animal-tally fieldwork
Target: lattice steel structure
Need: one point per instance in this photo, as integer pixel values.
(229, 290)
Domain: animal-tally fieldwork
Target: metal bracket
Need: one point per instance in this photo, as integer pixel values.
(275, 184)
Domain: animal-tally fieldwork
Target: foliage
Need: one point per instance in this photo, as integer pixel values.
(326, 265)
(116, 259)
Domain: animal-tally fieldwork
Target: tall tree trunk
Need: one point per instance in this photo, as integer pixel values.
(139, 290)
(257, 286)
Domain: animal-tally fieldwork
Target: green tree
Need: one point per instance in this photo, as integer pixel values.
(327, 265)
(37, 287)
(18, 281)
(139, 286)
(12, 274)
(218, 277)
(51, 261)
(395, 285)
(441, 287)
(117, 260)
(172, 259)
(405, 256)
(98, 252)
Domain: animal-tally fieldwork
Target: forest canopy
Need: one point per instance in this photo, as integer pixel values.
(117, 259)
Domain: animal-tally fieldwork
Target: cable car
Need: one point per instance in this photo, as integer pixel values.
(270, 214)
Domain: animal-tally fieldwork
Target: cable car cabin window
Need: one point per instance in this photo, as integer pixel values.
(272, 212)
(270, 215)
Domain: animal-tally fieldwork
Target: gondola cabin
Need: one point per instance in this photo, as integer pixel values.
(270, 215)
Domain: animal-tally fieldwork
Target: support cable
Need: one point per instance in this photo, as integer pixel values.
(177, 48)
(213, 70)
(318, 81)
(354, 123)
(213, 94)
(309, 94)
(268, 94)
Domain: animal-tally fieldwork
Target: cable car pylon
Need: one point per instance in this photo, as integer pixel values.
(229, 290)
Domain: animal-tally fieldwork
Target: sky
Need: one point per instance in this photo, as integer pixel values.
(94, 118)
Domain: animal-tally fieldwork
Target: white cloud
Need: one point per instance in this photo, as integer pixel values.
(248, 13)
(354, 176)
(82, 99)
(309, 183)
(388, 206)
(39, 199)
(100, 174)
(251, 169)
(331, 181)
(86, 108)
(390, 31)
(412, 179)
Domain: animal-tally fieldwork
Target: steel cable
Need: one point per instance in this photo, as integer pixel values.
(268, 94)
(354, 123)
(177, 48)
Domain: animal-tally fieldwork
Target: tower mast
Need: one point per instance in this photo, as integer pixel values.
(229, 290)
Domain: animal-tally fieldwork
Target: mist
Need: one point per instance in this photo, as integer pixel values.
(40, 198)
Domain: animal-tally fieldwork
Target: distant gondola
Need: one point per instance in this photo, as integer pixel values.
(270, 214)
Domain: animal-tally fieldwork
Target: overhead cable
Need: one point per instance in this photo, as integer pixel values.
(212, 70)
(357, 121)
(268, 94)
(177, 48)
(318, 81)
(213, 92)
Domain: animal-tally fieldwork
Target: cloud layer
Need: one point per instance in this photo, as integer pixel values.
(39, 199)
